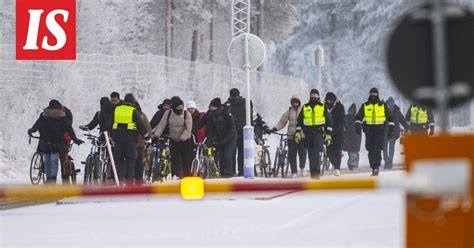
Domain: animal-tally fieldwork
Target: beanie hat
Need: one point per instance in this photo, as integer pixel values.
(374, 90)
(55, 104)
(331, 97)
(216, 102)
(234, 92)
(314, 91)
(191, 104)
(129, 98)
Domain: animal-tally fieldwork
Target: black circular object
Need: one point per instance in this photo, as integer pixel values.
(410, 55)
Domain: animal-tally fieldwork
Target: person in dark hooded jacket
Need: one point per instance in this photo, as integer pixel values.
(389, 142)
(352, 139)
(155, 120)
(334, 149)
(220, 129)
(100, 118)
(52, 125)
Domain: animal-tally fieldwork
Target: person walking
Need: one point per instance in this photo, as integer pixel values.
(220, 130)
(334, 149)
(155, 120)
(179, 123)
(290, 116)
(352, 139)
(421, 119)
(126, 125)
(314, 128)
(141, 143)
(372, 117)
(389, 143)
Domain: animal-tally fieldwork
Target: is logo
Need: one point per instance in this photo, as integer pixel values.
(46, 29)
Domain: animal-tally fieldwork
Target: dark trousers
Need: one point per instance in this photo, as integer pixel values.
(125, 155)
(227, 151)
(181, 158)
(293, 150)
(139, 165)
(374, 144)
(388, 151)
(334, 152)
(240, 156)
(63, 148)
(314, 144)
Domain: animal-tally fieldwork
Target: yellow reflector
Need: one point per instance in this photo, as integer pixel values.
(192, 188)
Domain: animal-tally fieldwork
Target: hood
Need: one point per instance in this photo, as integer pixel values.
(54, 113)
(352, 109)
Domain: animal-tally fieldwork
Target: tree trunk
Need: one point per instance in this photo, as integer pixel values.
(195, 45)
(168, 28)
(260, 24)
(211, 36)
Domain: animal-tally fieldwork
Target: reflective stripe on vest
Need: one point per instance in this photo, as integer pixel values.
(374, 114)
(314, 116)
(124, 115)
(418, 115)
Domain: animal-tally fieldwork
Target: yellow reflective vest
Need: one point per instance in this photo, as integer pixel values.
(374, 114)
(313, 116)
(418, 115)
(124, 115)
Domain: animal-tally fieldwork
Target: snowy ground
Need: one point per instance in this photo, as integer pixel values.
(312, 219)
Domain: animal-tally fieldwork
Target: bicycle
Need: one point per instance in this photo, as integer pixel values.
(281, 164)
(97, 168)
(262, 167)
(68, 169)
(159, 167)
(204, 164)
(37, 168)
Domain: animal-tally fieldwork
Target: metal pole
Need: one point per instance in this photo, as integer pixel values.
(440, 69)
(319, 76)
(111, 155)
(248, 129)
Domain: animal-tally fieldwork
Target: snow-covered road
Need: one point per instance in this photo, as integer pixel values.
(313, 219)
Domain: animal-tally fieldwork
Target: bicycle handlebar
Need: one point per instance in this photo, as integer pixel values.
(32, 136)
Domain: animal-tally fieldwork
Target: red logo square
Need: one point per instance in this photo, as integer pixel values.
(45, 29)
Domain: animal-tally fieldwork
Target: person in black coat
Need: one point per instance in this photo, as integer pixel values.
(52, 125)
(352, 139)
(220, 130)
(162, 108)
(389, 143)
(126, 125)
(334, 149)
(101, 117)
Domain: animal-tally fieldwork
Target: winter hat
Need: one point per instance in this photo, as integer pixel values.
(176, 101)
(191, 104)
(104, 100)
(129, 98)
(331, 97)
(234, 92)
(390, 102)
(216, 102)
(55, 104)
(295, 99)
(314, 91)
(374, 90)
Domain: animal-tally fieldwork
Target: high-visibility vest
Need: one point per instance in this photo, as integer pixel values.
(314, 116)
(418, 115)
(124, 115)
(374, 114)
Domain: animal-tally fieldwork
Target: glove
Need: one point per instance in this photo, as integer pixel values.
(327, 139)
(390, 131)
(298, 137)
(78, 142)
(274, 130)
(30, 131)
(267, 130)
(147, 137)
(431, 133)
(358, 128)
(84, 127)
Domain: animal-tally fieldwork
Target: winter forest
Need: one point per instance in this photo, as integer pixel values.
(353, 34)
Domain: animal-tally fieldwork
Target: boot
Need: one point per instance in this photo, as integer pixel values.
(375, 172)
(65, 180)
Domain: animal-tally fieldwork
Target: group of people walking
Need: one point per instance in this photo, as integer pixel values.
(311, 126)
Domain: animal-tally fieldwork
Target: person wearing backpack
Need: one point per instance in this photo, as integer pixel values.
(290, 117)
(179, 124)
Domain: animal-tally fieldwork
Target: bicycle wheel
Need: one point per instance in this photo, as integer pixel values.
(155, 170)
(36, 168)
(73, 174)
(88, 170)
(285, 166)
(213, 169)
(276, 164)
(266, 163)
(96, 170)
